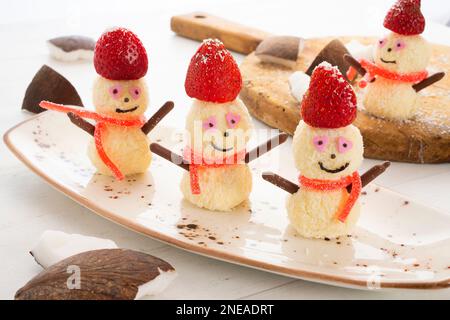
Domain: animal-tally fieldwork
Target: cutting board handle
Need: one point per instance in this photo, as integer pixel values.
(201, 25)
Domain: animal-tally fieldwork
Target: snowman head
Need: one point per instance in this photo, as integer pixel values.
(327, 153)
(218, 122)
(403, 54)
(326, 145)
(218, 130)
(120, 99)
(121, 61)
(403, 50)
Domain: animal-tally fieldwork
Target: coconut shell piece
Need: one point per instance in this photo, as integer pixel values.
(73, 43)
(49, 85)
(106, 274)
(282, 50)
(71, 48)
(332, 53)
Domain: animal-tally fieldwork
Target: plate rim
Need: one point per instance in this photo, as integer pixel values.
(342, 281)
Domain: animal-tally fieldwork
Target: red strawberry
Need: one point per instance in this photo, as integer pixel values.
(213, 75)
(405, 18)
(330, 101)
(120, 55)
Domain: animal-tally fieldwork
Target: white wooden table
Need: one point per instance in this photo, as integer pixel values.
(29, 206)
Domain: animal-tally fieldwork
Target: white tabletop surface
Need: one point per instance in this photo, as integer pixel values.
(29, 206)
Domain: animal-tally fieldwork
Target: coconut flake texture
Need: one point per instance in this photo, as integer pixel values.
(313, 213)
(360, 51)
(54, 246)
(330, 101)
(157, 285)
(213, 74)
(299, 83)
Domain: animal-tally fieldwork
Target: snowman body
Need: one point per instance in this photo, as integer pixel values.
(223, 188)
(126, 147)
(313, 213)
(218, 132)
(325, 154)
(389, 98)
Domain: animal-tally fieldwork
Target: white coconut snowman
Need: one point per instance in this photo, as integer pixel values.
(219, 128)
(400, 61)
(328, 150)
(120, 146)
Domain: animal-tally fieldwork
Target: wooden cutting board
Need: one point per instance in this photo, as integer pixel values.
(266, 93)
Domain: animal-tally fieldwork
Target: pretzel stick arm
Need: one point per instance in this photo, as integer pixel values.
(280, 182)
(428, 81)
(169, 155)
(265, 147)
(81, 123)
(157, 117)
(355, 64)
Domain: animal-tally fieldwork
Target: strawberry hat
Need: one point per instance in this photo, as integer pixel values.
(405, 18)
(120, 55)
(213, 75)
(330, 101)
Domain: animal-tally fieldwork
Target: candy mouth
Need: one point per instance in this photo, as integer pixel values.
(342, 168)
(118, 110)
(388, 61)
(220, 149)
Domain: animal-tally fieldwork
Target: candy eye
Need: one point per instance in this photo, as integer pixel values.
(210, 123)
(320, 143)
(399, 45)
(115, 91)
(232, 119)
(381, 43)
(135, 92)
(344, 145)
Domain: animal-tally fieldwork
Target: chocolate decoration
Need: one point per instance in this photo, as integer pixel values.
(371, 174)
(157, 117)
(280, 182)
(73, 43)
(169, 155)
(265, 147)
(355, 64)
(49, 85)
(282, 50)
(81, 123)
(292, 188)
(332, 53)
(106, 274)
(428, 81)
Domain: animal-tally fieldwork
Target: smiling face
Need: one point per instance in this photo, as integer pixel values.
(218, 130)
(327, 153)
(120, 99)
(402, 54)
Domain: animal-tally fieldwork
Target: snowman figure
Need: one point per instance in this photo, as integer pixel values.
(399, 68)
(219, 128)
(328, 150)
(120, 146)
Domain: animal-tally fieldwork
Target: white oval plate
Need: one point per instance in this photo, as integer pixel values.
(397, 244)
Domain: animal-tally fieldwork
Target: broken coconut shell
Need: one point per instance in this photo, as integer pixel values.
(49, 85)
(282, 50)
(71, 48)
(106, 274)
(332, 53)
(73, 43)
